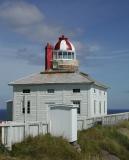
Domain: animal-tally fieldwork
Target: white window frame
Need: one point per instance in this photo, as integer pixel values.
(57, 55)
(79, 108)
(49, 91)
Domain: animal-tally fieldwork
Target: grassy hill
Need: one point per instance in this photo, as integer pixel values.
(98, 143)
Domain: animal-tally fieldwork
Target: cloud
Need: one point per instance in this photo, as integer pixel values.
(121, 51)
(20, 14)
(30, 56)
(95, 52)
(27, 19)
(108, 56)
(85, 49)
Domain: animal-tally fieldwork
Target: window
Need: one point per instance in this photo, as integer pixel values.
(26, 91)
(55, 55)
(94, 106)
(60, 55)
(104, 92)
(100, 107)
(94, 90)
(50, 91)
(99, 91)
(28, 107)
(64, 55)
(69, 55)
(72, 55)
(23, 107)
(77, 103)
(76, 90)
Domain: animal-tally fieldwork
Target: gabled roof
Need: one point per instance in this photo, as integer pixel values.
(56, 78)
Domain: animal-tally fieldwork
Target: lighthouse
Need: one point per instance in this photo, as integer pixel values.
(61, 57)
(61, 83)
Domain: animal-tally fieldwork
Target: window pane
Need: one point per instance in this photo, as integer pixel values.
(55, 55)
(23, 110)
(64, 55)
(26, 90)
(76, 90)
(69, 55)
(23, 107)
(28, 107)
(72, 55)
(50, 90)
(59, 55)
(77, 103)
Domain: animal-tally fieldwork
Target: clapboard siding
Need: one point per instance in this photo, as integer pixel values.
(40, 99)
(100, 96)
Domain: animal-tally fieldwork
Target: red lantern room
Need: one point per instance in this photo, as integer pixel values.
(64, 49)
(62, 56)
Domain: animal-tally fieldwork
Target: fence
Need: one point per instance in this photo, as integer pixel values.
(13, 132)
(111, 119)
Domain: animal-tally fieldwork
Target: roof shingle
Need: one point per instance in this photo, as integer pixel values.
(56, 78)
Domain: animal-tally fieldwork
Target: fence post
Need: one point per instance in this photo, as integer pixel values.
(49, 127)
(84, 124)
(26, 128)
(3, 135)
(40, 126)
(10, 134)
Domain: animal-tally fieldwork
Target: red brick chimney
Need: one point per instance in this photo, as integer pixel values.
(48, 56)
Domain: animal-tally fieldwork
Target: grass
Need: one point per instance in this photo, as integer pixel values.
(94, 142)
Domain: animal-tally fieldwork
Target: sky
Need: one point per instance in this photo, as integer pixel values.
(99, 30)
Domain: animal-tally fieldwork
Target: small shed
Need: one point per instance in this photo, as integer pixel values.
(63, 121)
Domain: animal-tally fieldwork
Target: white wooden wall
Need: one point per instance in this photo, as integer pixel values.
(40, 100)
(100, 96)
(63, 120)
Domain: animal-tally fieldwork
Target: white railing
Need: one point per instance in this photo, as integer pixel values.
(13, 132)
(111, 119)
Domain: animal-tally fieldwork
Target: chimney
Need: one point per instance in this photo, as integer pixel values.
(48, 56)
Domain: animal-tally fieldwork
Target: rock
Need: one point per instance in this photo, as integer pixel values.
(76, 146)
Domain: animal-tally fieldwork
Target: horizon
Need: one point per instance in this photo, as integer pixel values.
(98, 30)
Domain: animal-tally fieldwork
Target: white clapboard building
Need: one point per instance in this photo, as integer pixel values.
(61, 83)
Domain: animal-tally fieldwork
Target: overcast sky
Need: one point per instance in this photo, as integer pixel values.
(99, 29)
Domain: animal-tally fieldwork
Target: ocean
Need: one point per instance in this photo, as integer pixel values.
(3, 112)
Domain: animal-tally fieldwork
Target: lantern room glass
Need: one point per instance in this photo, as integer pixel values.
(63, 55)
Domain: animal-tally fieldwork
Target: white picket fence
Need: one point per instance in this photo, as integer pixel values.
(111, 119)
(13, 132)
